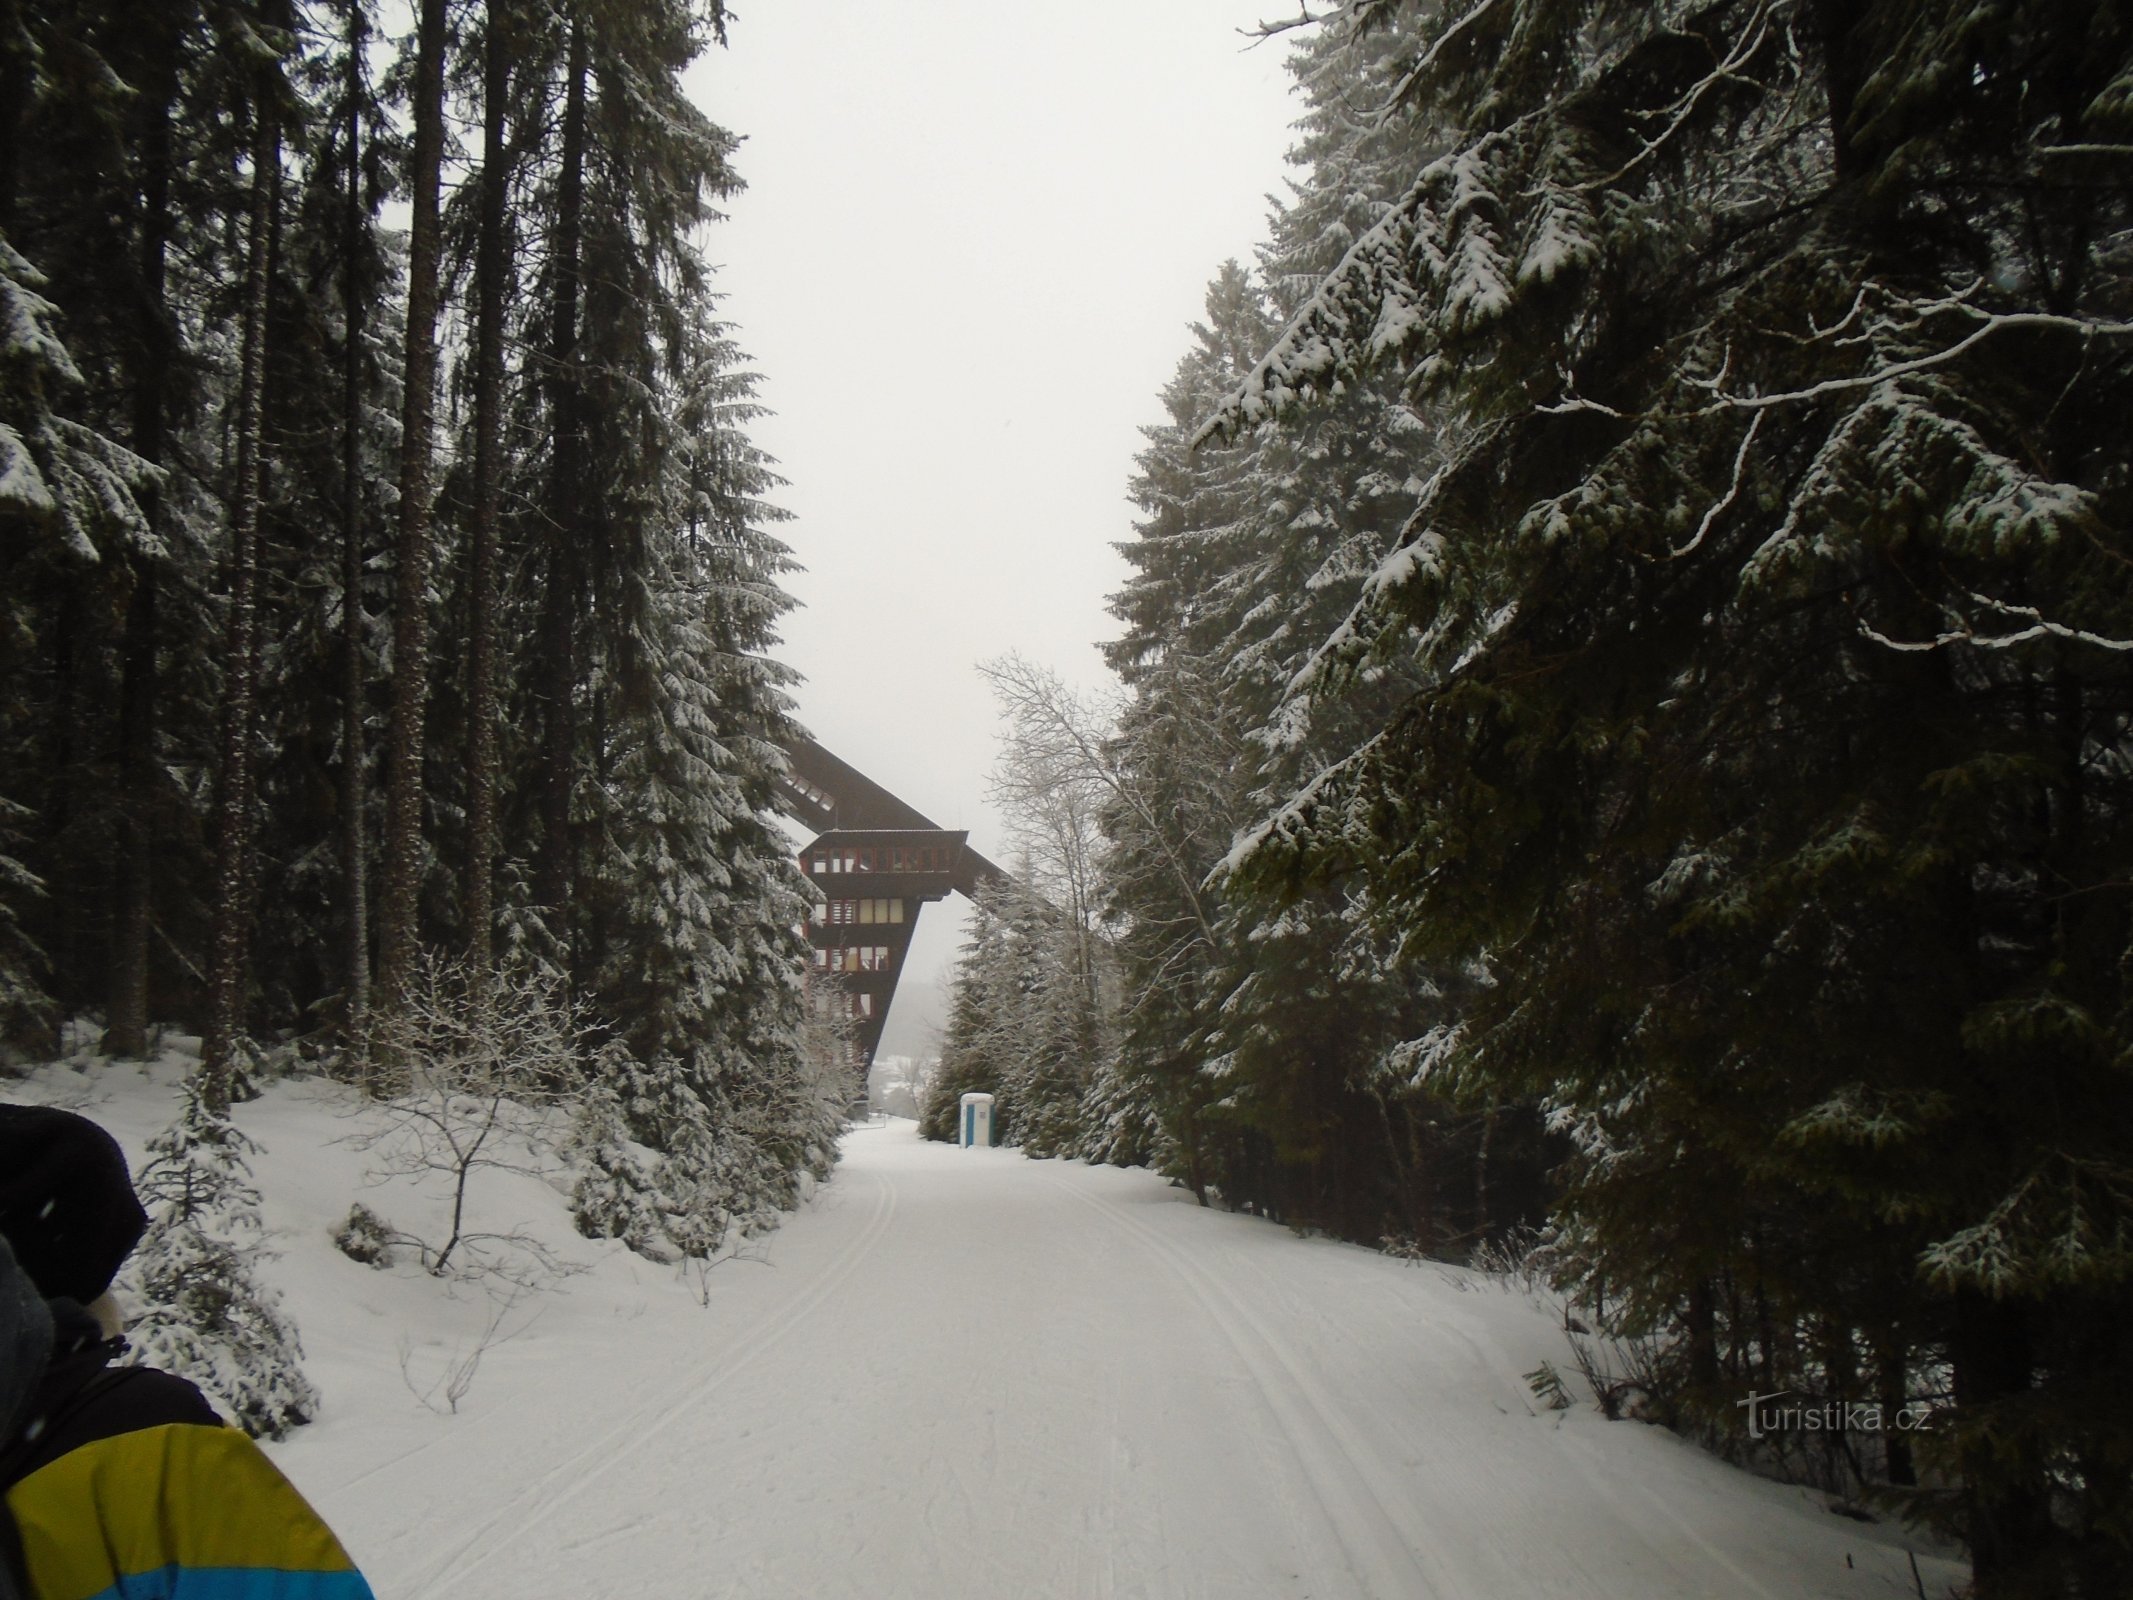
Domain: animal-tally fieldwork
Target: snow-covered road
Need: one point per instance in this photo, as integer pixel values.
(964, 1374)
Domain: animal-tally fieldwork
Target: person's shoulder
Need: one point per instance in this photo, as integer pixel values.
(147, 1397)
(72, 1412)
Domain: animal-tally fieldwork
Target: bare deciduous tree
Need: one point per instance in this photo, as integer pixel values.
(481, 1064)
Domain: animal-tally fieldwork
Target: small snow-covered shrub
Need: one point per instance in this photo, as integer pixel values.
(1633, 1375)
(1123, 1129)
(695, 1190)
(365, 1237)
(615, 1196)
(202, 1311)
(651, 1160)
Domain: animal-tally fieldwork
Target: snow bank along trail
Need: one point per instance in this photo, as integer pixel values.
(963, 1374)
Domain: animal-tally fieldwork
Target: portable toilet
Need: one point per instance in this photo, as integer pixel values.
(977, 1120)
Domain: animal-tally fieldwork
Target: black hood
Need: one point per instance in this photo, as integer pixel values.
(66, 1201)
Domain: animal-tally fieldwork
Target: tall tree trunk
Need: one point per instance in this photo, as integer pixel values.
(400, 889)
(1702, 1327)
(270, 440)
(16, 84)
(133, 921)
(1892, 1388)
(488, 501)
(1190, 1146)
(355, 796)
(2004, 1496)
(229, 973)
(60, 932)
(126, 1031)
(559, 616)
(1483, 1222)
(1833, 21)
(1422, 1167)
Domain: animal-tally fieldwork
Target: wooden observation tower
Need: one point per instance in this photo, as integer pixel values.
(876, 861)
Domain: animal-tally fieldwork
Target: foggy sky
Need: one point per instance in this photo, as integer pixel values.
(974, 237)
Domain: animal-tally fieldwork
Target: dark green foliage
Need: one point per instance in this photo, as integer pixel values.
(199, 1309)
(1263, 1032)
(669, 901)
(1763, 753)
(1025, 1026)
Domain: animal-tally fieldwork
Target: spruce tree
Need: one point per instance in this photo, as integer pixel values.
(661, 870)
(1263, 1025)
(982, 1016)
(67, 495)
(1769, 629)
(200, 401)
(99, 90)
(200, 1309)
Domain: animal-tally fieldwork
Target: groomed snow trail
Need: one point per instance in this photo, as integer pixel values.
(962, 1375)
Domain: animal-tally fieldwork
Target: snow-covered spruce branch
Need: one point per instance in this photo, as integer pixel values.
(1315, 340)
(2041, 627)
(1962, 298)
(1727, 71)
(1578, 406)
(1291, 820)
(1714, 384)
(1856, 313)
(1419, 549)
(2064, 1227)
(1416, 1061)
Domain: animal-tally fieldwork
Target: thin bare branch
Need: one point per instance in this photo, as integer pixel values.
(2041, 627)
(1719, 507)
(1415, 73)
(1727, 71)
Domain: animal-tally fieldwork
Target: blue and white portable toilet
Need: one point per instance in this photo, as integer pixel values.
(977, 1120)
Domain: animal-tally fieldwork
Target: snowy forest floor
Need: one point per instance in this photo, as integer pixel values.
(962, 1375)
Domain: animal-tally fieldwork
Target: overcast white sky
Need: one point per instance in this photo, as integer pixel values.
(975, 234)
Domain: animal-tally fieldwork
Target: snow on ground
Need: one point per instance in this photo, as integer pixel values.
(962, 1375)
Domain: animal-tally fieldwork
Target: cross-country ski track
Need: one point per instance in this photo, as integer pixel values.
(963, 1375)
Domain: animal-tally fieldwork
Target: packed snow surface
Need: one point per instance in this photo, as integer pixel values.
(963, 1375)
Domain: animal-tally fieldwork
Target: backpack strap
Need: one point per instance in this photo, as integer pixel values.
(22, 1451)
(19, 1459)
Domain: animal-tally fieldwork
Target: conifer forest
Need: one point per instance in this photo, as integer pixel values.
(389, 580)
(1619, 746)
